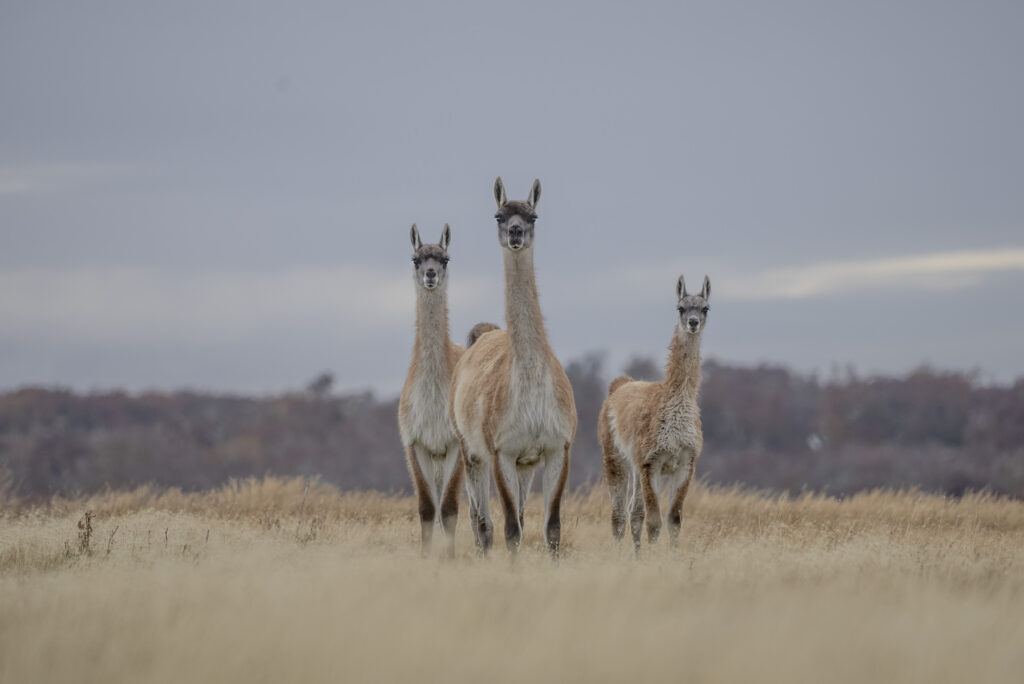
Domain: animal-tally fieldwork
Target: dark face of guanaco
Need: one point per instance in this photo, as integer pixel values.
(430, 262)
(692, 308)
(516, 219)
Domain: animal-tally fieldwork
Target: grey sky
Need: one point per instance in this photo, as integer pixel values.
(219, 196)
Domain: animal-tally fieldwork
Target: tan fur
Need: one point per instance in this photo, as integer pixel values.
(477, 330)
(650, 433)
(513, 408)
(618, 382)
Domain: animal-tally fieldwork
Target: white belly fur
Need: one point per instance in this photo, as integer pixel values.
(427, 423)
(534, 424)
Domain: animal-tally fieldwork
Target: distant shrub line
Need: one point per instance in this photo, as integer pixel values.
(765, 427)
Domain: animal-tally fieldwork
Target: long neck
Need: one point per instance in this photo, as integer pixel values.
(683, 371)
(522, 307)
(431, 350)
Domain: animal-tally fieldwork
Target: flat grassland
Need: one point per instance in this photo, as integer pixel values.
(233, 585)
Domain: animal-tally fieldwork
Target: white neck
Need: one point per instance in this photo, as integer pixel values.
(432, 340)
(682, 374)
(525, 323)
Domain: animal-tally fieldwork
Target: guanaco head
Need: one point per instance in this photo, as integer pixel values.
(430, 262)
(693, 309)
(515, 218)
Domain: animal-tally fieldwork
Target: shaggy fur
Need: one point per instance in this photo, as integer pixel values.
(650, 432)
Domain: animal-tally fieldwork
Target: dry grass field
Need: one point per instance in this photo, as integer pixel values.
(233, 586)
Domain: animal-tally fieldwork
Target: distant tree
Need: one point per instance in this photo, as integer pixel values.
(765, 407)
(643, 368)
(321, 385)
(764, 427)
(589, 389)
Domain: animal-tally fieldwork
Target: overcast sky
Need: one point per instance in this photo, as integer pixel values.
(218, 195)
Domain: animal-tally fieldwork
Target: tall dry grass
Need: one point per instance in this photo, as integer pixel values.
(233, 585)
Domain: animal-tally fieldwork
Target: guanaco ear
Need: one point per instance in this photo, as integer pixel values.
(705, 291)
(414, 237)
(446, 237)
(534, 193)
(499, 192)
(681, 287)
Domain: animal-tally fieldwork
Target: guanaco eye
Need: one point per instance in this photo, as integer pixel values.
(444, 262)
(706, 309)
(416, 262)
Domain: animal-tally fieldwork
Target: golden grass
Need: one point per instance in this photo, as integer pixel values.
(231, 586)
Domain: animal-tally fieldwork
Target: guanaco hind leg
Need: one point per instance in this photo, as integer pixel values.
(478, 486)
(636, 507)
(616, 472)
(507, 480)
(525, 473)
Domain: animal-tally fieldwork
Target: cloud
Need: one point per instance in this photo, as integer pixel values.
(138, 305)
(935, 271)
(932, 271)
(41, 177)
